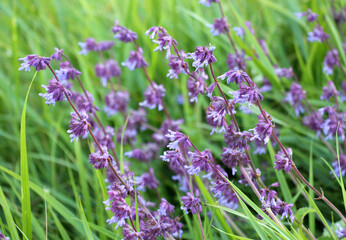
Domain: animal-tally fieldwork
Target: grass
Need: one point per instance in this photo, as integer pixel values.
(39, 166)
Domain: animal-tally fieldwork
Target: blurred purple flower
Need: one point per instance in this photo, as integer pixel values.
(249, 26)
(203, 56)
(39, 63)
(263, 44)
(232, 157)
(314, 121)
(284, 72)
(317, 35)
(105, 138)
(282, 161)
(131, 234)
(236, 61)
(87, 46)
(251, 174)
(219, 26)
(116, 102)
(135, 60)
(294, 97)
(340, 232)
(208, 3)
(165, 208)
(237, 140)
(107, 71)
(57, 56)
(310, 16)
(330, 61)
(119, 208)
(239, 31)
(147, 180)
(153, 96)
(55, 92)
(335, 123)
(342, 169)
(66, 73)
(329, 91)
(178, 139)
(86, 103)
(123, 34)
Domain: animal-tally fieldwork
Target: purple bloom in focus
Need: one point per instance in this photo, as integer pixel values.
(153, 96)
(294, 97)
(201, 161)
(152, 32)
(237, 76)
(164, 42)
(267, 195)
(284, 162)
(284, 72)
(310, 16)
(341, 232)
(342, 169)
(216, 112)
(203, 56)
(208, 3)
(40, 63)
(237, 140)
(329, 91)
(178, 139)
(99, 159)
(247, 94)
(55, 92)
(107, 71)
(232, 157)
(123, 34)
(135, 60)
(330, 61)
(239, 31)
(176, 65)
(196, 85)
(116, 102)
(285, 210)
(191, 202)
(219, 26)
(263, 129)
(57, 56)
(119, 207)
(317, 35)
(236, 61)
(79, 125)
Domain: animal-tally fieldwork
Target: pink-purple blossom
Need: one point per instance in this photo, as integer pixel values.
(55, 92)
(39, 63)
(78, 125)
(123, 34)
(202, 57)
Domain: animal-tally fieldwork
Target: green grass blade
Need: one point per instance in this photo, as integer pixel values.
(231, 235)
(61, 229)
(24, 171)
(85, 222)
(8, 216)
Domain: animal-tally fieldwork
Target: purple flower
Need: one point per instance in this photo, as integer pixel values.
(247, 94)
(135, 60)
(232, 157)
(86, 103)
(57, 56)
(107, 71)
(119, 207)
(55, 92)
(334, 123)
(178, 139)
(343, 91)
(208, 3)
(330, 61)
(152, 32)
(341, 232)
(237, 140)
(284, 72)
(239, 31)
(196, 85)
(105, 138)
(267, 86)
(164, 42)
(191, 202)
(130, 234)
(216, 113)
(87, 46)
(294, 97)
(99, 159)
(342, 169)
(165, 208)
(153, 96)
(329, 91)
(123, 34)
(3, 237)
(284, 162)
(236, 76)
(317, 35)
(314, 121)
(79, 125)
(168, 124)
(176, 65)
(67, 73)
(224, 194)
(219, 26)
(268, 196)
(253, 176)
(176, 160)
(310, 16)
(116, 102)
(203, 56)
(285, 210)
(201, 161)
(249, 26)
(103, 46)
(40, 63)
(263, 44)
(147, 180)
(235, 62)
(263, 129)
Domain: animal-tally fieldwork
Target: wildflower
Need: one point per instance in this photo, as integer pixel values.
(86, 103)
(105, 138)
(236, 61)
(263, 129)
(176, 65)
(247, 94)
(153, 96)
(165, 207)
(107, 71)
(3, 237)
(57, 56)
(294, 97)
(152, 32)
(178, 139)
(219, 26)
(146, 154)
(87, 46)
(66, 73)
(99, 159)
(123, 34)
(208, 3)
(79, 125)
(201, 161)
(329, 91)
(314, 121)
(164, 42)
(268, 195)
(285, 210)
(40, 63)
(224, 194)
(168, 124)
(330, 61)
(119, 208)
(342, 170)
(340, 232)
(239, 31)
(236, 76)
(343, 91)
(310, 16)
(284, 72)
(196, 85)
(191, 202)
(135, 60)
(55, 92)
(130, 234)
(215, 118)
(317, 35)
(233, 157)
(237, 140)
(203, 56)
(267, 86)
(283, 161)
(116, 102)
(334, 123)
(147, 180)
(104, 45)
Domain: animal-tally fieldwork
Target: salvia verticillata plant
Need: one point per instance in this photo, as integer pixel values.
(213, 186)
